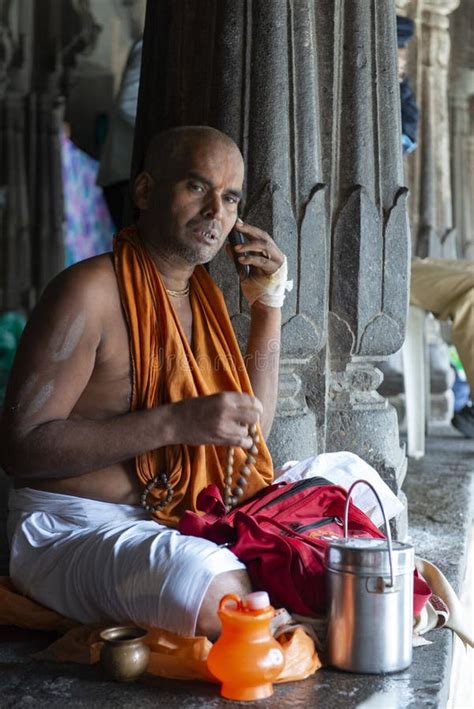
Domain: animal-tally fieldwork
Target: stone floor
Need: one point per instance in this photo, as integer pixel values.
(439, 491)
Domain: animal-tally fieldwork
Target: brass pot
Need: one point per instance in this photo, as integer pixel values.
(124, 655)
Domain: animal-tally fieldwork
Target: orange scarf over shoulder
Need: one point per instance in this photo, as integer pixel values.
(166, 369)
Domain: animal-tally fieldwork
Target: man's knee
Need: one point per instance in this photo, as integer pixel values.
(208, 622)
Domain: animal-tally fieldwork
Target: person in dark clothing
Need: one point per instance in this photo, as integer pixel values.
(410, 111)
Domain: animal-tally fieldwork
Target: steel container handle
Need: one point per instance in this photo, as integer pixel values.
(387, 526)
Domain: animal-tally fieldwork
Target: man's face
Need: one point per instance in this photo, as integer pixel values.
(194, 204)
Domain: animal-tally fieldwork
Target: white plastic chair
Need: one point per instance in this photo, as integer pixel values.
(416, 381)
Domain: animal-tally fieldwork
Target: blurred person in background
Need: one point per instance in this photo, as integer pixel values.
(115, 163)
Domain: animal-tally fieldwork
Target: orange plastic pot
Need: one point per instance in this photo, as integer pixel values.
(246, 658)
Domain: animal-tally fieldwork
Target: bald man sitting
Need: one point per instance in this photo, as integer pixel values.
(127, 390)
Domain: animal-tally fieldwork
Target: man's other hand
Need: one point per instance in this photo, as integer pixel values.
(219, 419)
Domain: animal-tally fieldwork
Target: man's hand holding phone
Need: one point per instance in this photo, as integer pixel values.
(236, 239)
(261, 265)
(255, 248)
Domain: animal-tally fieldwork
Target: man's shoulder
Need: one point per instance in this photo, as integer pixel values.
(91, 273)
(89, 282)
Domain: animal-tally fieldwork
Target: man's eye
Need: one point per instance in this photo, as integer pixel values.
(231, 199)
(196, 187)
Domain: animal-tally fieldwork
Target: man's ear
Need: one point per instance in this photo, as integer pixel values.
(143, 190)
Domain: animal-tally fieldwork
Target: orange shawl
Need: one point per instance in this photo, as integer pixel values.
(166, 368)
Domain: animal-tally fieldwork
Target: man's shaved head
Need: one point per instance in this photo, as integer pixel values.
(189, 192)
(167, 150)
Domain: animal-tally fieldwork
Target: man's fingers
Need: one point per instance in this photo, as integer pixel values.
(261, 252)
(257, 245)
(247, 442)
(249, 230)
(252, 405)
(239, 412)
(265, 263)
(252, 232)
(243, 439)
(268, 254)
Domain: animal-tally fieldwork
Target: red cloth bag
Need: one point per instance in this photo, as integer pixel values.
(281, 535)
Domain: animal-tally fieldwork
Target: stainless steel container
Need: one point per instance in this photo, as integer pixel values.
(370, 586)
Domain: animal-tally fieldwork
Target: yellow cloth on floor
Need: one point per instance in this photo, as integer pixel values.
(171, 655)
(166, 368)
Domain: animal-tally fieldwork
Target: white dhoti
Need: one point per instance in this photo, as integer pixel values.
(97, 562)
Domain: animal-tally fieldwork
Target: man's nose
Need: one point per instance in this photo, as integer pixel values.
(212, 207)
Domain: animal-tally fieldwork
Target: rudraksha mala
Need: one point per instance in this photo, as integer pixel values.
(160, 480)
(233, 494)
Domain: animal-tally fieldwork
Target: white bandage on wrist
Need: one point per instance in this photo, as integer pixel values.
(268, 290)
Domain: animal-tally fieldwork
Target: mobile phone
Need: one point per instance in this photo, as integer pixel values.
(235, 237)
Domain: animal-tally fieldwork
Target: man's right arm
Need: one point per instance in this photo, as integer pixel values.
(55, 360)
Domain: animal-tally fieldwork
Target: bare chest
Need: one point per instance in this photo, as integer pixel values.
(182, 309)
(109, 389)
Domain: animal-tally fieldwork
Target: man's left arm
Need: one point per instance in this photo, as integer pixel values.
(264, 290)
(263, 359)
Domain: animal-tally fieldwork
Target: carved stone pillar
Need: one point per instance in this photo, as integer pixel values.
(434, 232)
(436, 236)
(249, 69)
(15, 233)
(469, 248)
(370, 235)
(462, 169)
(286, 196)
(461, 100)
(412, 161)
(39, 40)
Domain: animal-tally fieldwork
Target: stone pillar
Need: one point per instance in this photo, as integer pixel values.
(411, 162)
(15, 228)
(370, 235)
(39, 40)
(434, 228)
(286, 197)
(249, 69)
(469, 244)
(436, 236)
(461, 100)
(462, 168)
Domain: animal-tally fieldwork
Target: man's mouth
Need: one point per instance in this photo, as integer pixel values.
(207, 236)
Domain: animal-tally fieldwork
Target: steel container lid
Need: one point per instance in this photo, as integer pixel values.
(367, 557)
